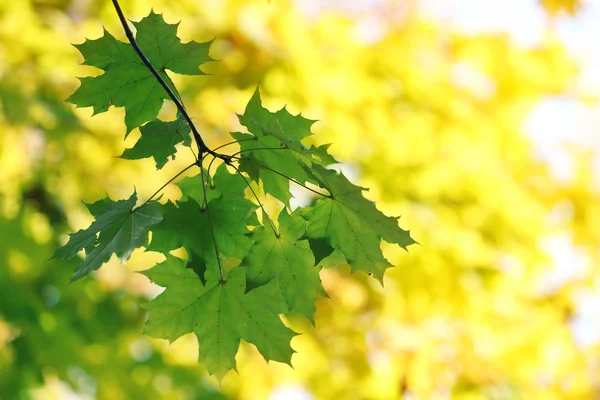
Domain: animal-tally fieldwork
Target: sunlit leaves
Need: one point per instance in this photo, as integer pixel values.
(352, 224)
(126, 82)
(286, 257)
(241, 272)
(273, 150)
(220, 313)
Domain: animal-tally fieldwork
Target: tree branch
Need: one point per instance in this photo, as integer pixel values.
(202, 148)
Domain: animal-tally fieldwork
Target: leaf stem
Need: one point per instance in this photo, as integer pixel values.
(283, 175)
(210, 166)
(166, 184)
(260, 148)
(210, 225)
(234, 142)
(258, 200)
(202, 148)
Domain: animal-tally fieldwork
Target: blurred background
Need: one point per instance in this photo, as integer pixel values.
(477, 121)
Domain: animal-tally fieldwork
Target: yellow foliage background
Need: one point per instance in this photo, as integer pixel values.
(429, 117)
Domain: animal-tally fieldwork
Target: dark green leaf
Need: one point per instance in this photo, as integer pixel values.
(320, 248)
(230, 186)
(222, 223)
(118, 229)
(126, 81)
(158, 140)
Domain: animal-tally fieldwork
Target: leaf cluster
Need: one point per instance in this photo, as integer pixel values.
(243, 269)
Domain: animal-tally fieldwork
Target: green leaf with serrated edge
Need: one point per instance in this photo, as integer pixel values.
(191, 226)
(321, 153)
(351, 195)
(276, 185)
(320, 248)
(287, 127)
(277, 146)
(118, 229)
(219, 313)
(231, 186)
(198, 265)
(335, 259)
(158, 140)
(126, 81)
(352, 224)
(255, 158)
(289, 259)
(178, 227)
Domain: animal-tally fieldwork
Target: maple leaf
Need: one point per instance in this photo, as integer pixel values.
(262, 122)
(289, 259)
(236, 281)
(126, 81)
(219, 312)
(158, 140)
(213, 230)
(273, 151)
(231, 186)
(211, 233)
(117, 228)
(352, 224)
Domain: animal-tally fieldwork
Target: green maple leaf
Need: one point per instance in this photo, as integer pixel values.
(290, 129)
(219, 312)
(126, 81)
(321, 153)
(158, 140)
(289, 259)
(205, 232)
(237, 281)
(231, 186)
(352, 224)
(274, 151)
(222, 222)
(117, 229)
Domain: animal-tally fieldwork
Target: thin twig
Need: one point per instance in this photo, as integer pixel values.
(166, 184)
(234, 142)
(258, 200)
(260, 148)
(202, 148)
(210, 166)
